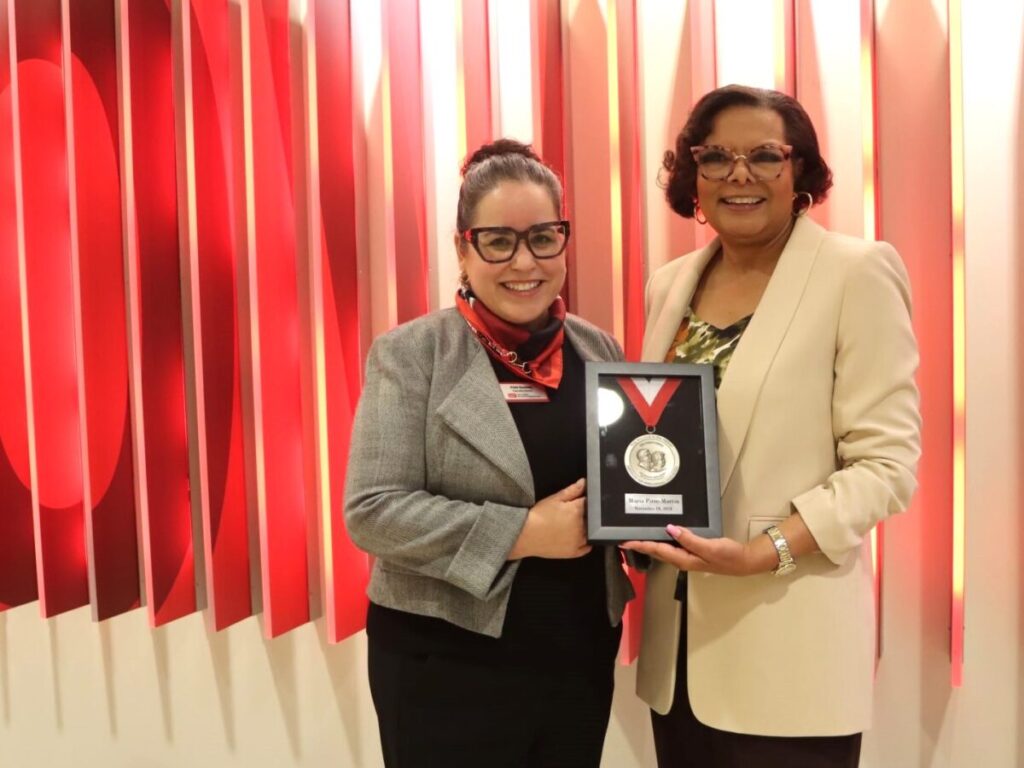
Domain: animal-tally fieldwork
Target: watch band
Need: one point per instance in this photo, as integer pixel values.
(786, 562)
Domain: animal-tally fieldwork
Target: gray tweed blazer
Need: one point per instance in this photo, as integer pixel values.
(438, 483)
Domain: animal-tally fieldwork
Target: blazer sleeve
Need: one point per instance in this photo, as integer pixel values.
(388, 511)
(875, 416)
(614, 353)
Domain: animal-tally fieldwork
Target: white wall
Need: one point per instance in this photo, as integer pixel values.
(118, 694)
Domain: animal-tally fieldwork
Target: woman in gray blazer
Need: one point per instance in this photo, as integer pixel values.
(493, 626)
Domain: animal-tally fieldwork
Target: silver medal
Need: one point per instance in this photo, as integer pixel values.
(652, 460)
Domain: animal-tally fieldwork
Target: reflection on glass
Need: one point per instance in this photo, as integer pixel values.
(609, 407)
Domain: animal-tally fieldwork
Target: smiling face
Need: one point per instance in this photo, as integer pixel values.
(744, 211)
(521, 290)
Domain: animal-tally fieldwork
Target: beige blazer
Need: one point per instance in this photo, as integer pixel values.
(818, 413)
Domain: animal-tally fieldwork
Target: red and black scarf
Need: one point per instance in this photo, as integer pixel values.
(534, 356)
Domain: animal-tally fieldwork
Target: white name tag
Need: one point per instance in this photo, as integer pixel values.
(654, 504)
(524, 392)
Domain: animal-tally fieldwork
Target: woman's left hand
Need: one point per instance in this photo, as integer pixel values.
(695, 553)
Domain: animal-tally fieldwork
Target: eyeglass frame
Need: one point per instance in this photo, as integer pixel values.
(472, 235)
(787, 154)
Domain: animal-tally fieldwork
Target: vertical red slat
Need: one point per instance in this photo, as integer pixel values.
(402, 39)
(702, 30)
(54, 429)
(929, 112)
(212, 266)
(155, 313)
(475, 74)
(109, 495)
(549, 110)
(17, 548)
(272, 313)
(337, 356)
(632, 230)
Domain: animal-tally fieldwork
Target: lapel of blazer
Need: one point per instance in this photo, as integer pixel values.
(584, 348)
(476, 411)
(674, 304)
(760, 342)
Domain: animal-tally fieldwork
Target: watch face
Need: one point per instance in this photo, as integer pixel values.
(785, 568)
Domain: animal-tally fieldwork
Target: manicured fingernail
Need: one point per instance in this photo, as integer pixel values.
(673, 530)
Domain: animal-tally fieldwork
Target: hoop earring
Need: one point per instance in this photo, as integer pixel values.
(798, 212)
(696, 215)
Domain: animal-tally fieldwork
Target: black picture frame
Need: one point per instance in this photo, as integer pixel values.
(689, 498)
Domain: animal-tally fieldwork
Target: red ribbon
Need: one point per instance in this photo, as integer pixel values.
(649, 412)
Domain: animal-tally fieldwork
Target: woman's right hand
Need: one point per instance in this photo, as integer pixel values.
(555, 526)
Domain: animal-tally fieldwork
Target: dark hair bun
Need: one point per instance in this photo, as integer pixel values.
(500, 147)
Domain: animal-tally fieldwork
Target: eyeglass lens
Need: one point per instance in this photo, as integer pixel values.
(717, 163)
(543, 241)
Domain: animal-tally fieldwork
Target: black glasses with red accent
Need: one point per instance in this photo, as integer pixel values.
(498, 244)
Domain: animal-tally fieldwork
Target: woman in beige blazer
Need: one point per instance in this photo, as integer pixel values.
(493, 626)
(758, 647)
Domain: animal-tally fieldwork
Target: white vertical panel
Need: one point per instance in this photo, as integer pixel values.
(831, 86)
(367, 53)
(745, 40)
(665, 59)
(438, 49)
(512, 54)
(993, 119)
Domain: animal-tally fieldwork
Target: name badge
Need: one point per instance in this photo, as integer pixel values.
(524, 392)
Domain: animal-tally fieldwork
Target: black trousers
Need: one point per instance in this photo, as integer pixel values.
(435, 710)
(681, 741)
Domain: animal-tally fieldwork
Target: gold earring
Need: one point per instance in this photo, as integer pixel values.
(696, 215)
(797, 211)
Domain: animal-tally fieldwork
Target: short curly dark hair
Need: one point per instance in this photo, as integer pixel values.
(680, 186)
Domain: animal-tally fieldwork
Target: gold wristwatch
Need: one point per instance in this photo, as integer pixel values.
(786, 562)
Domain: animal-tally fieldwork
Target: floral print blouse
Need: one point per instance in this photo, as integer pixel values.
(697, 341)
